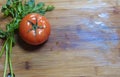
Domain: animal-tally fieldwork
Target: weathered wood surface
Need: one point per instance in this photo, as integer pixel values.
(84, 42)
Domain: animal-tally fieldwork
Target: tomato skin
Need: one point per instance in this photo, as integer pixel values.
(34, 29)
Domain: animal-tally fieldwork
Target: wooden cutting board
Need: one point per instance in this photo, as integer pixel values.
(84, 42)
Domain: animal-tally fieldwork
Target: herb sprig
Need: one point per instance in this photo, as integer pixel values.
(16, 9)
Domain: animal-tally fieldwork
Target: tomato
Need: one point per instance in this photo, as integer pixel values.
(34, 29)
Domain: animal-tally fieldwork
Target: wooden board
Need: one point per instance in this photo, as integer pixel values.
(84, 42)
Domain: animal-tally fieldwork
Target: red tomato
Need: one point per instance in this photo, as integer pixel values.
(34, 29)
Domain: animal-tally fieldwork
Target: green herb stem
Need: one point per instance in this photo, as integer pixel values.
(6, 60)
(3, 48)
(10, 58)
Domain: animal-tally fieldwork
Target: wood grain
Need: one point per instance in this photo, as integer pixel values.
(84, 42)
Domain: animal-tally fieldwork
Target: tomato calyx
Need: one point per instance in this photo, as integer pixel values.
(35, 26)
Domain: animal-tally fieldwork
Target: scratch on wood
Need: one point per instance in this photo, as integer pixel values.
(119, 52)
(27, 65)
(51, 49)
(116, 10)
(66, 36)
(96, 71)
(57, 42)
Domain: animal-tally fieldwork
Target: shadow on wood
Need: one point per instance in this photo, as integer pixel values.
(28, 47)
